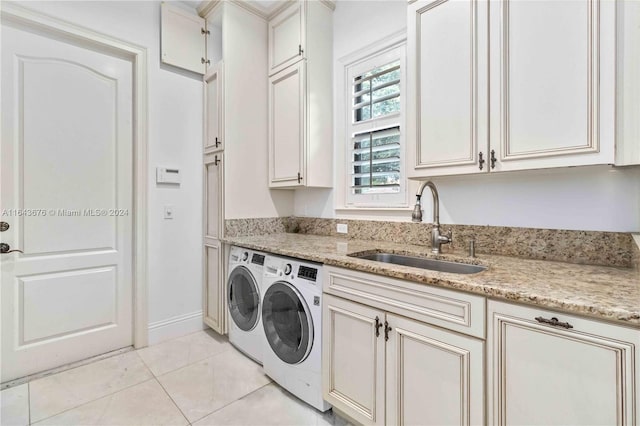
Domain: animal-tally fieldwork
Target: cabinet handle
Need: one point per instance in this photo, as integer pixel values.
(205, 61)
(493, 158)
(378, 325)
(554, 322)
(217, 142)
(6, 248)
(387, 329)
(300, 51)
(204, 32)
(216, 160)
(299, 177)
(481, 161)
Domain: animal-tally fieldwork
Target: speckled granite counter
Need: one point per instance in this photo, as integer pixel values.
(598, 291)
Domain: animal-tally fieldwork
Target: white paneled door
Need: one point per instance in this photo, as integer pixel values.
(66, 193)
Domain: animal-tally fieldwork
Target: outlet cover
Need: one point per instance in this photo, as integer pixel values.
(342, 228)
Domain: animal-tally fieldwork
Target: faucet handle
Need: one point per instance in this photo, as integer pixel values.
(446, 238)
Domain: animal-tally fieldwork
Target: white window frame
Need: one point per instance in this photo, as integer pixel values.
(389, 50)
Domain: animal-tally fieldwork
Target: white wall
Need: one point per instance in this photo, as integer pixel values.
(175, 140)
(586, 198)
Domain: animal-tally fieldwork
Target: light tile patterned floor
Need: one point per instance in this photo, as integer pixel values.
(197, 379)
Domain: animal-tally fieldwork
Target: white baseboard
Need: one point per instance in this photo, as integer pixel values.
(175, 327)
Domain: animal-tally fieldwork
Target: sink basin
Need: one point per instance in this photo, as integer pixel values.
(419, 262)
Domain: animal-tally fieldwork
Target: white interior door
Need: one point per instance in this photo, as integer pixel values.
(66, 193)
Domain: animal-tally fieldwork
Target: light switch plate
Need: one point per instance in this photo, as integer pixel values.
(342, 228)
(168, 212)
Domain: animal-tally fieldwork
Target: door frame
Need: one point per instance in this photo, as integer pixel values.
(137, 54)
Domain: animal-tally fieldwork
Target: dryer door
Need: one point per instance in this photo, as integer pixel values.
(287, 322)
(243, 296)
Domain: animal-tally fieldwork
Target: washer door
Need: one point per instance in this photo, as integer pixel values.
(287, 323)
(243, 296)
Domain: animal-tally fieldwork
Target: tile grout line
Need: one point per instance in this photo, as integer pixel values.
(233, 402)
(172, 400)
(93, 400)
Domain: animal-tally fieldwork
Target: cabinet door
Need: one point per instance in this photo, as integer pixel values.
(182, 39)
(213, 196)
(549, 375)
(434, 377)
(448, 87)
(213, 109)
(552, 83)
(214, 283)
(214, 286)
(287, 37)
(353, 359)
(287, 114)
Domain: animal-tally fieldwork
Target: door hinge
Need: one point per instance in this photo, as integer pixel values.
(299, 177)
(300, 51)
(387, 329)
(493, 159)
(481, 161)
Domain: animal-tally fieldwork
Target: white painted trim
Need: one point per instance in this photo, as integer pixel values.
(341, 129)
(138, 55)
(177, 326)
(205, 7)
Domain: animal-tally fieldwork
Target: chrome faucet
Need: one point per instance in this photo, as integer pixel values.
(436, 238)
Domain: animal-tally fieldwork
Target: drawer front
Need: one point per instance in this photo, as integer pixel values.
(453, 310)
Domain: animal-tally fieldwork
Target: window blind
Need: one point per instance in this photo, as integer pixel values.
(376, 93)
(375, 162)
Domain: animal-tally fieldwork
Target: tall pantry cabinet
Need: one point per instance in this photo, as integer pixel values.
(235, 118)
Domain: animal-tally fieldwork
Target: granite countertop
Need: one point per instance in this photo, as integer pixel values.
(598, 291)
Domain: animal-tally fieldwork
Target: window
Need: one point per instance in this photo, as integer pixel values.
(375, 130)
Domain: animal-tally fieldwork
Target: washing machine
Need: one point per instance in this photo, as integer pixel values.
(244, 290)
(292, 323)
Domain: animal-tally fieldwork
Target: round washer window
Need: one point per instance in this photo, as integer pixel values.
(287, 323)
(244, 298)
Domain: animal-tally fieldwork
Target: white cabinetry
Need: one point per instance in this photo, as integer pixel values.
(504, 85)
(213, 274)
(287, 37)
(183, 39)
(547, 374)
(448, 87)
(300, 96)
(214, 109)
(383, 368)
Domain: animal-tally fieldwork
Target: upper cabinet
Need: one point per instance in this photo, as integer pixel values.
(448, 87)
(183, 39)
(287, 37)
(300, 96)
(502, 85)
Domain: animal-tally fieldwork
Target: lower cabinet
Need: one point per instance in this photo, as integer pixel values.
(548, 368)
(381, 368)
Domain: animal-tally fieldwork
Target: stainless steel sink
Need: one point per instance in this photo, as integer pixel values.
(419, 262)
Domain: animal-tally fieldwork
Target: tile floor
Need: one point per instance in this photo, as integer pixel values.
(197, 379)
